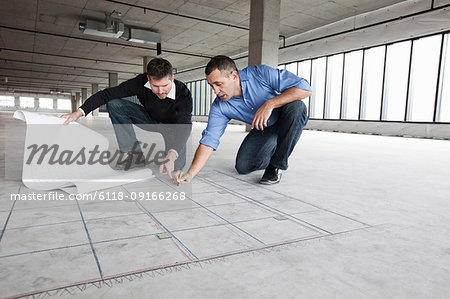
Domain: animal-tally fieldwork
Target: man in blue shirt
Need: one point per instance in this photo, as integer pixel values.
(270, 100)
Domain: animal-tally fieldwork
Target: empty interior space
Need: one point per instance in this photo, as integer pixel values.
(362, 210)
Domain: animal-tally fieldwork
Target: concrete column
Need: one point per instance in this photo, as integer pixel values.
(264, 31)
(36, 103)
(94, 91)
(16, 101)
(94, 88)
(83, 95)
(77, 99)
(74, 103)
(146, 60)
(113, 79)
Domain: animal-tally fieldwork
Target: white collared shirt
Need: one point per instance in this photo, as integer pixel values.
(171, 94)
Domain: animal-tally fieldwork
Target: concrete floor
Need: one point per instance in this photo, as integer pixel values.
(364, 217)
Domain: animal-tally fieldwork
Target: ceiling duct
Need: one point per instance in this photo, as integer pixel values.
(142, 36)
(59, 91)
(113, 28)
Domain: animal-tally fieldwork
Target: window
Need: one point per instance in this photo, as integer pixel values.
(352, 85)
(194, 97)
(402, 81)
(191, 86)
(334, 87)
(46, 103)
(304, 71)
(396, 81)
(318, 87)
(198, 93)
(7, 101)
(210, 98)
(443, 113)
(202, 97)
(424, 70)
(26, 102)
(64, 104)
(292, 67)
(372, 83)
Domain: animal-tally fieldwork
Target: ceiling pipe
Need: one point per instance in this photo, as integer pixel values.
(103, 42)
(52, 81)
(71, 57)
(67, 66)
(55, 73)
(145, 8)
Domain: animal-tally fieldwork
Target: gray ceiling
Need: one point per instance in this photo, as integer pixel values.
(42, 47)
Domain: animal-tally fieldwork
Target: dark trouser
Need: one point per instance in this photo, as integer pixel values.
(274, 144)
(124, 114)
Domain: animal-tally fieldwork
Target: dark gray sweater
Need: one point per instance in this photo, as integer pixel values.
(166, 111)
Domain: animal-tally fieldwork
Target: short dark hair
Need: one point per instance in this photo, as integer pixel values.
(159, 68)
(221, 63)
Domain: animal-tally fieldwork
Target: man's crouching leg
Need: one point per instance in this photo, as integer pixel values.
(123, 114)
(256, 150)
(291, 121)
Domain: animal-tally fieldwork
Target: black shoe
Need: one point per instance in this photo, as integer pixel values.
(132, 160)
(272, 175)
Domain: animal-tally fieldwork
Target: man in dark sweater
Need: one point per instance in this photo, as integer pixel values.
(166, 108)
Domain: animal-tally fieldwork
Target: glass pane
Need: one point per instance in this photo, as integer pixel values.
(334, 86)
(64, 104)
(304, 71)
(396, 81)
(352, 85)
(444, 96)
(318, 88)
(211, 97)
(27, 102)
(45, 103)
(202, 97)
(7, 101)
(424, 69)
(372, 83)
(192, 89)
(198, 91)
(194, 98)
(282, 67)
(292, 67)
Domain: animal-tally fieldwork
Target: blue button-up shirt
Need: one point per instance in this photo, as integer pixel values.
(259, 84)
